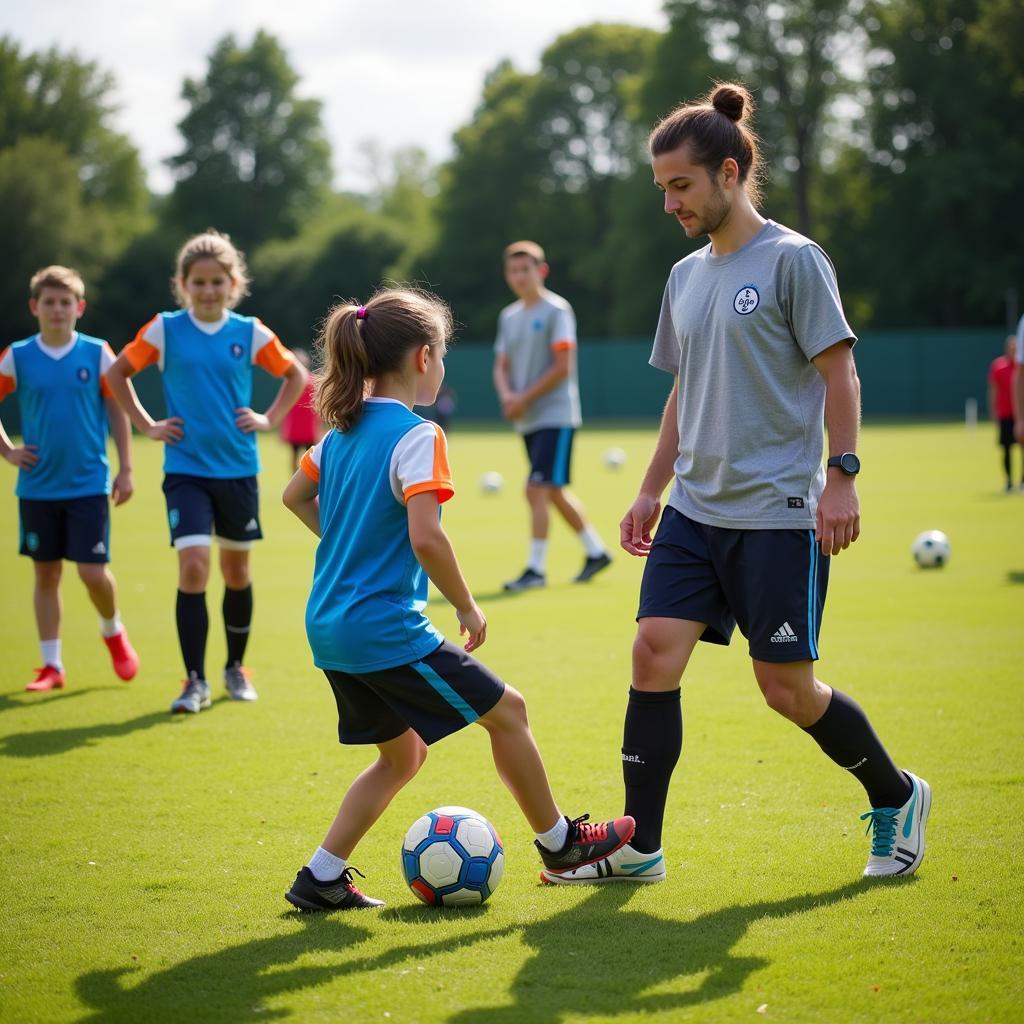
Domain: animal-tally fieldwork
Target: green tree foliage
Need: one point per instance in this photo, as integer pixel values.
(255, 162)
(937, 240)
(343, 253)
(71, 188)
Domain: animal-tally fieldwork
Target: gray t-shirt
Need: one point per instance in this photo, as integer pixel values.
(529, 336)
(740, 332)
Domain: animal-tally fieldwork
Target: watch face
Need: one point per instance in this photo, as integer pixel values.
(849, 463)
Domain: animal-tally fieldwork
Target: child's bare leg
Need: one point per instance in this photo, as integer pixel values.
(369, 795)
(518, 760)
(46, 598)
(102, 589)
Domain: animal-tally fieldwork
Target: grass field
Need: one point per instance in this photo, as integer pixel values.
(144, 856)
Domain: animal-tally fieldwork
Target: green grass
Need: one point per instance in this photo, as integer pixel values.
(144, 857)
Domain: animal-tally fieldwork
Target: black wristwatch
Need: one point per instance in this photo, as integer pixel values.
(847, 462)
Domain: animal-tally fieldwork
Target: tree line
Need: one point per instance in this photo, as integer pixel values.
(891, 129)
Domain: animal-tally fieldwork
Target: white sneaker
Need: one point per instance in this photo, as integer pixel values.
(624, 865)
(897, 841)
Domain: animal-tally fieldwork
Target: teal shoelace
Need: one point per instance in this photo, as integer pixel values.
(883, 822)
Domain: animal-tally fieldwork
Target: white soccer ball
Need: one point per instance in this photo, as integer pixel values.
(491, 482)
(452, 857)
(614, 458)
(931, 549)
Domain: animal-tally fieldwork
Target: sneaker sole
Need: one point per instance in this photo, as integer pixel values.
(547, 879)
(926, 807)
(314, 908)
(522, 587)
(126, 675)
(587, 579)
(242, 697)
(177, 709)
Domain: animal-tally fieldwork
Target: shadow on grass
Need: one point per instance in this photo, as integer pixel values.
(52, 742)
(8, 701)
(595, 957)
(1015, 576)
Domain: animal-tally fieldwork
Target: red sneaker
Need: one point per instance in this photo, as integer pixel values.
(47, 678)
(122, 654)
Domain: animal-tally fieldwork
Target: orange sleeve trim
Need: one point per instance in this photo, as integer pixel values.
(105, 388)
(309, 467)
(139, 352)
(444, 489)
(274, 358)
(563, 345)
(7, 386)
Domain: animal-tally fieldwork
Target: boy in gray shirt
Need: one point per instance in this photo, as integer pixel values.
(535, 377)
(752, 329)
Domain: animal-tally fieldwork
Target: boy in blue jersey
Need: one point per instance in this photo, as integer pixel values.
(206, 354)
(63, 473)
(372, 491)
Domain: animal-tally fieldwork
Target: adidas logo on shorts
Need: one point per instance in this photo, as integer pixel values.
(784, 635)
(252, 525)
(99, 549)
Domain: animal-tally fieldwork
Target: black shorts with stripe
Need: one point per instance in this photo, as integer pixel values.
(772, 583)
(436, 696)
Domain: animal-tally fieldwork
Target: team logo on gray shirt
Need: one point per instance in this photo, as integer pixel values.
(747, 300)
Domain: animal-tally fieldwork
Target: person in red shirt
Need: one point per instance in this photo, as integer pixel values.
(301, 427)
(1000, 405)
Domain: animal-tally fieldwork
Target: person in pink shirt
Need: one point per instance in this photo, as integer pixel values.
(1000, 405)
(301, 427)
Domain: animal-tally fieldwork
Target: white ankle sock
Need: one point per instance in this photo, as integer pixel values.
(538, 555)
(554, 838)
(51, 653)
(591, 541)
(111, 627)
(325, 866)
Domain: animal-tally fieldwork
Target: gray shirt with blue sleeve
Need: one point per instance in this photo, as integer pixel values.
(740, 332)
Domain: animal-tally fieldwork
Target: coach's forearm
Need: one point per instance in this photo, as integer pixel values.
(842, 410)
(662, 465)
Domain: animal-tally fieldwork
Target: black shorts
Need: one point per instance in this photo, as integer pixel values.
(550, 453)
(1006, 432)
(442, 693)
(77, 529)
(770, 582)
(198, 506)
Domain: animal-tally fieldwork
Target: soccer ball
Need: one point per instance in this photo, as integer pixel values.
(614, 458)
(492, 482)
(452, 857)
(931, 549)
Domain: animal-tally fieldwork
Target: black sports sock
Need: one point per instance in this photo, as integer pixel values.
(237, 608)
(193, 624)
(652, 738)
(845, 734)
(1006, 465)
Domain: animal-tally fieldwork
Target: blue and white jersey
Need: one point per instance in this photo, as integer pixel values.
(366, 609)
(61, 392)
(207, 376)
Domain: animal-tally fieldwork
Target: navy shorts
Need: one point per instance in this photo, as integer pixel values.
(442, 693)
(198, 506)
(772, 583)
(77, 529)
(550, 453)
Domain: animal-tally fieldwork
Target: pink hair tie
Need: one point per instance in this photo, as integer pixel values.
(361, 313)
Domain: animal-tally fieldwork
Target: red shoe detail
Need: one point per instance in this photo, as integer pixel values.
(47, 678)
(122, 654)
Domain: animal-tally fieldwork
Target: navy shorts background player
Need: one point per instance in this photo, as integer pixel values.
(753, 331)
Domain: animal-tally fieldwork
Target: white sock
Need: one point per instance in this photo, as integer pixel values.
(111, 627)
(592, 543)
(555, 837)
(325, 866)
(538, 555)
(51, 653)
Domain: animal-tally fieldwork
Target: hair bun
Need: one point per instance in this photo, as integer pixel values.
(731, 100)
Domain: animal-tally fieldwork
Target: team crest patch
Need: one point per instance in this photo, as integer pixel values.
(83, 374)
(538, 325)
(747, 300)
(237, 350)
(32, 541)
(174, 517)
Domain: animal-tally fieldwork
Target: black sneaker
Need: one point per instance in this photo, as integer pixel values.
(307, 893)
(528, 581)
(587, 843)
(592, 566)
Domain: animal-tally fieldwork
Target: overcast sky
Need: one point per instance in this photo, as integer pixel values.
(400, 73)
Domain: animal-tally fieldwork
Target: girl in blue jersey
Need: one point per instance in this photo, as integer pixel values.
(372, 491)
(206, 354)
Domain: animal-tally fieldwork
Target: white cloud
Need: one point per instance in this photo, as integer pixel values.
(400, 73)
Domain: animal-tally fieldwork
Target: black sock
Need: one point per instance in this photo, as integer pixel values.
(237, 608)
(845, 734)
(193, 624)
(1006, 466)
(651, 741)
